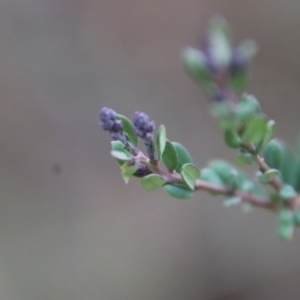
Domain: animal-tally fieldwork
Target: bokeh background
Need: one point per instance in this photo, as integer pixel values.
(69, 227)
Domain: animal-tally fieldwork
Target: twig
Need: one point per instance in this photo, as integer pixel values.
(202, 185)
(263, 167)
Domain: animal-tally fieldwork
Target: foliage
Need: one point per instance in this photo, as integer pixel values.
(222, 72)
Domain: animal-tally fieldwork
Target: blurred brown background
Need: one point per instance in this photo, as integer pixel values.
(69, 227)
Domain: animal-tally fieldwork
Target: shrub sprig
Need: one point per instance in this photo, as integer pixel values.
(222, 71)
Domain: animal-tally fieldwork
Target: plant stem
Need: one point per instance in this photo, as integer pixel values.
(202, 185)
(263, 167)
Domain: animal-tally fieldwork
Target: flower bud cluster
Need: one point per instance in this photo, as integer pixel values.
(219, 67)
(111, 124)
(144, 128)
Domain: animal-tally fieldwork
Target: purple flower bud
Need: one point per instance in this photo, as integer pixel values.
(109, 122)
(118, 125)
(107, 125)
(108, 118)
(142, 171)
(238, 61)
(143, 126)
(221, 95)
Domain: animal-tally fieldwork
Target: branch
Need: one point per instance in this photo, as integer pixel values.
(202, 185)
(263, 167)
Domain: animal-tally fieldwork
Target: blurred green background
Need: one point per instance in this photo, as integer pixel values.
(69, 227)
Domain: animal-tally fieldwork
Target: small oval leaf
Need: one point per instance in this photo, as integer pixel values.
(288, 160)
(232, 138)
(161, 139)
(269, 132)
(190, 174)
(273, 154)
(178, 191)
(170, 156)
(297, 217)
(120, 155)
(118, 146)
(195, 62)
(184, 156)
(245, 159)
(285, 223)
(248, 107)
(209, 175)
(128, 170)
(270, 174)
(232, 201)
(152, 182)
(226, 170)
(287, 192)
(255, 130)
(128, 129)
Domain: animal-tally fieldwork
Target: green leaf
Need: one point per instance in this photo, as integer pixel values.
(178, 191)
(232, 138)
(273, 154)
(267, 176)
(170, 156)
(152, 182)
(225, 171)
(232, 201)
(209, 175)
(221, 110)
(286, 232)
(248, 49)
(190, 174)
(224, 111)
(220, 48)
(184, 156)
(296, 168)
(255, 130)
(239, 80)
(297, 217)
(270, 127)
(271, 173)
(128, 170)
(248, 107)
(269, 132)
(278, 155)
(161, 140)
(287, 192)
(246, 159)
(220, 24)
(247, 186)
(286, 216)
(118, 146)
(195, 63)
(286, 168)
(128, 129)
(286, 223)
(120, 155)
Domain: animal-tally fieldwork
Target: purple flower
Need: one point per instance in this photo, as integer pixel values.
(238, 61)
(143, 127)
(114, 126)
(142, 171)
(109, 121)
